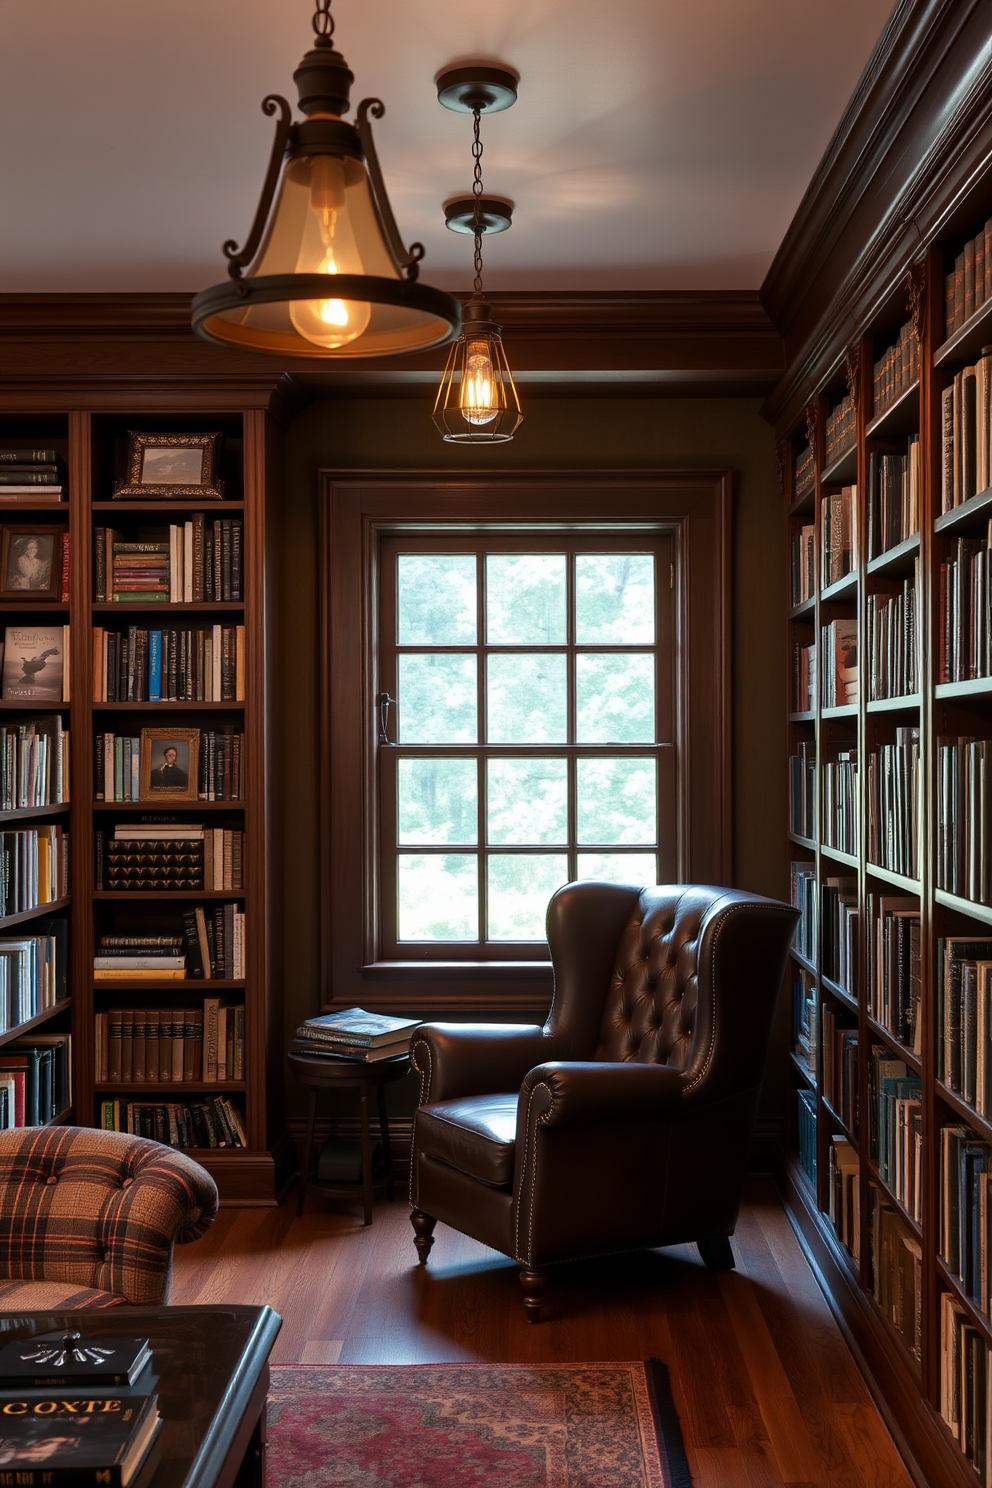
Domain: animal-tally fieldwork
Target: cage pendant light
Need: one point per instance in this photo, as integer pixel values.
(323, 271)
(477, 400)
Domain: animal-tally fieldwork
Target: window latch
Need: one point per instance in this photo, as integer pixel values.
(384, 702)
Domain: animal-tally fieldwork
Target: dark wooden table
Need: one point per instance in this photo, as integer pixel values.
(212, 1374)
(342, 1074)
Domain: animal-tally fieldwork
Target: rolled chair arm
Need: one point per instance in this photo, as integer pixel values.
(563, 1095)
(456, 1059)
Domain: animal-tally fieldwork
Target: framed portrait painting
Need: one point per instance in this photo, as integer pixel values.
(31, 562)
(169, 764)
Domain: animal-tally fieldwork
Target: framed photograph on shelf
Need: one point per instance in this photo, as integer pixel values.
(31, 562)
(169, 764)
(166, 467)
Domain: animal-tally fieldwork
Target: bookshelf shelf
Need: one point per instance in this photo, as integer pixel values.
(163, 508)
(803, 503)
(839, 1122)
(911, 703)
(38, 1021)
(135, 1089)
(981, 912)
(156, 807)
(805, 610)
(797, 956)
(898, 559)
(879, 1031)
(901, 417)
(897, 880)
(843, 469)
(806, 717)
(29, 813)
(806, 842)
(168, 707)
(952, 1283)
(203, 986)
(840, 993)
(843, 710)
(178, 896)
(981, 1124)
(41, 912)
(976, 687)
(973, 512)
(966, 343)
(845, 588)
(176, 607)
(806, 1073)
(837, 855)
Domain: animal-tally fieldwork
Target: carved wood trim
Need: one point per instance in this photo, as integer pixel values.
(852, 369)
(916, 291)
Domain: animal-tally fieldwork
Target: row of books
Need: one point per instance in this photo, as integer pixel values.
(804, 475)
(804, 677)
(219, 757)
(841, 428)
(840, 663)
(896, 1094)
(805, 1020)
(838, 534)
(964, 834)
(802, 789)
(894, 967)
(964, 1019)
(36, 664)
(31, 475)
(840, 801)
(966, 1386)
(34, 868)
(33, 972)
(893, 496)
(896, 369)
(893, 797)
(896, 1272)
(197, 664)
(199, 561)
(802, 889)
(840, 1064)
(36, 1078)
(806, 1133)
(215, 1121)
(34, 763)
(894, 641)
(169, 858)
(844, 1194)
(210, 946)
(169, 1045)
(965, 608)
(839, 932)
(803, 564)
(966, 433)
(965, 1175)
(969, 284)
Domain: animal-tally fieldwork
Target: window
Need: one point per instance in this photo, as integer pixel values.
(528, 739)
(524, 680)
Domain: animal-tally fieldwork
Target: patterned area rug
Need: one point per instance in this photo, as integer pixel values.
(474, 1425)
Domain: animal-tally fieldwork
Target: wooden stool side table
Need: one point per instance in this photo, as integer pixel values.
(319, 1073)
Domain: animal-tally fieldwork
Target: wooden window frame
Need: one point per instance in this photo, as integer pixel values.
(358, 509)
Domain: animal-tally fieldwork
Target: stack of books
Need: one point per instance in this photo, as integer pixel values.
(139, 573)
(354, 1034)
(30, 475)
(199, 560)
(75, 1411)
(158, 858)
(136, 958)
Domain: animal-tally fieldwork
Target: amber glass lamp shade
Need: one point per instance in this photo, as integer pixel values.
(477, 400)
(324, 272)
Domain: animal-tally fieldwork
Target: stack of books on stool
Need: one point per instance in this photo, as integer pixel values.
(354, 1034)
(75, 1411)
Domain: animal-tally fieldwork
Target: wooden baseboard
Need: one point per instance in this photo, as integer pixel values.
(923, 1441)
(249, 1179)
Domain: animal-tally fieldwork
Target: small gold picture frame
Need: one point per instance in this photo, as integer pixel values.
(169, 467)
(170, 764)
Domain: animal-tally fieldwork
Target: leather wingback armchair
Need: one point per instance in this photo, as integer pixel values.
(626, 1121)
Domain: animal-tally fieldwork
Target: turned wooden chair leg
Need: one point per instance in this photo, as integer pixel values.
(532, 1283)
(717, 1253)
(423, 1225)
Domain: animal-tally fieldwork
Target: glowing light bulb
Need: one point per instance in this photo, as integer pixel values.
(477, 397)
(329, 247)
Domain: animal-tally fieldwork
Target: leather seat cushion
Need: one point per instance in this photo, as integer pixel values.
(476, 1135)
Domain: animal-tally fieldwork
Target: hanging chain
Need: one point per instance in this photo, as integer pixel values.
(323, 21)
(477, 193)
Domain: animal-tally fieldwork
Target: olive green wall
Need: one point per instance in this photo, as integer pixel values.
(557, 434)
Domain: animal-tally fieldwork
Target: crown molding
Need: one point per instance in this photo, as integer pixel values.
(87, 343)
(914, 141)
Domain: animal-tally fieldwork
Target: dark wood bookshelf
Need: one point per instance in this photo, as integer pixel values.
(89, 424)
(33, 813)
(909, 1389)
(64, 1005)
(41, 912)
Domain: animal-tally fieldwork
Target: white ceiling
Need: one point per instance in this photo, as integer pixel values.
(656, 144)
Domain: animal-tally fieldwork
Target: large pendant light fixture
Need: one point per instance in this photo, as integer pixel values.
(477, 401)
(327, 272)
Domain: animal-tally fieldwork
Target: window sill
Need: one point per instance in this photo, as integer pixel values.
(449, 969)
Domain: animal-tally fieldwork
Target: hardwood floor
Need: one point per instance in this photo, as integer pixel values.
(765, 1387)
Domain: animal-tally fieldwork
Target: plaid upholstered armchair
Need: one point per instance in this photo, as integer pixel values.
(89, 1218)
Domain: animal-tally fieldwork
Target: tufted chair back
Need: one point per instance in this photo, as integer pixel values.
(97, 1211)
(675, 975)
